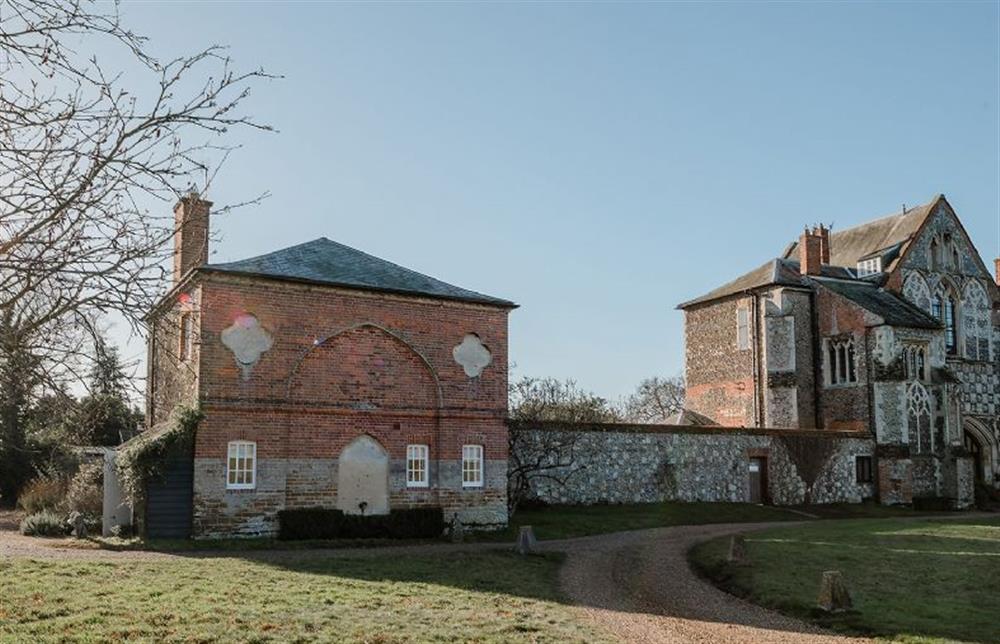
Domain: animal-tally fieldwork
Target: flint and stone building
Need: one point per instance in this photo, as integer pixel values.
(889, 328)
(327, 378)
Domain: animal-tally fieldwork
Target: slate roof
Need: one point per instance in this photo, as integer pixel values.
(893, 309)
(885, 238)
(323, 261)
(776, 272)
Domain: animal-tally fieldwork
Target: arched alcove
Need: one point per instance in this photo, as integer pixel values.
(363, 477)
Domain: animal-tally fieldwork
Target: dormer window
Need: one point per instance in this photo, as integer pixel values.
(869, 266)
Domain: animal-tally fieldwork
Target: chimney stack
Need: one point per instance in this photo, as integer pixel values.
(811, 251)
(824, 236)
(190, 234)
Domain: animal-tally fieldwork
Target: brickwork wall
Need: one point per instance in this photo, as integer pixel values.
(172, 380)
(843, 406)
(720, 378)
(343, 363)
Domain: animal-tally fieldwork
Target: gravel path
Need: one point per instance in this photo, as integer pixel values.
(638, 586)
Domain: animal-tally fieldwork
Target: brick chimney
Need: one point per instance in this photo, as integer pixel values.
(824, 236)
(810, 252)
(190, 234)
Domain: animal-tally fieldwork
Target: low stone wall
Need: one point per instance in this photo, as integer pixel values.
(641, 464)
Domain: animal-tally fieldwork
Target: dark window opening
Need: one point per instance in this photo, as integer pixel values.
(863, 465)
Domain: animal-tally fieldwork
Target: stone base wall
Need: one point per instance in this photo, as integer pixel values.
(308, 483)
(622, 464)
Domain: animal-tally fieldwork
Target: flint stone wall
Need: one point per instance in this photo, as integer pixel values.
(643, 464)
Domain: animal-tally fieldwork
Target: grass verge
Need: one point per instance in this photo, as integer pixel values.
(914, 581)
(565, 521)
(484, 596)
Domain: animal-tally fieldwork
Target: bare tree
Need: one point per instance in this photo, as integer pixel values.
(655, 400)
(539, 449)
(91, 156)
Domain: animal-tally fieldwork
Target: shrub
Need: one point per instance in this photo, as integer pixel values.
(323, 523)
(85, 494)
(46, 523)
(42, 493)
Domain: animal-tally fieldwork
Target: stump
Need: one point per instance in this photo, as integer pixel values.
(833, 594)
(526, 543)
(737, 550)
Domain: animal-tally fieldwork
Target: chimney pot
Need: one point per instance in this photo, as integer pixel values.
(191, 225)
(810, 252)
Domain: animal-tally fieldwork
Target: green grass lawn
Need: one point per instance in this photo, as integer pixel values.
(564, 521)
(483, 597)
(915, 581)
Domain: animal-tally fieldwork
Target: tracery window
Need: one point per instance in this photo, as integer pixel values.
(915, 361)
(840, 363)
(943, 308)
(918, 406)
(976, 323)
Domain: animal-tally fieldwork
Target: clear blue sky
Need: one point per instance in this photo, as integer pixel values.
(598, 163)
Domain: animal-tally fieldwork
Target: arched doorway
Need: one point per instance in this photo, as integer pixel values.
(363, 477)
(976, 439)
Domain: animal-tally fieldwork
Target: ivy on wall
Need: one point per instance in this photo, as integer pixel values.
(142, 459)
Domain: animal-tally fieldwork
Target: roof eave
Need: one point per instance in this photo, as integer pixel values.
(485, 301)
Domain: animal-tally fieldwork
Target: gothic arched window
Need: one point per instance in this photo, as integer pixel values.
(918, 407)
(976, 323)
(935, 255)
(944, 309)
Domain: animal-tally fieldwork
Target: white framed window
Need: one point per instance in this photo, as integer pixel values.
(416, 465)
(472, 466)
(241, 467)
(742, 329)
(187, 336)
(869, 266)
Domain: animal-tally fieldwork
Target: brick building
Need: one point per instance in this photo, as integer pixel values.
(327, 377)
(889, 328)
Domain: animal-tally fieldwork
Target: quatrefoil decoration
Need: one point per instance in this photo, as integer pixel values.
(472, 355)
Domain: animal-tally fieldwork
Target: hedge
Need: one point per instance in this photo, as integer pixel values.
(324, 523)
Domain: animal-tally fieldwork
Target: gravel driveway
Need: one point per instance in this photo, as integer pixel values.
(634, 585)
(638, 586)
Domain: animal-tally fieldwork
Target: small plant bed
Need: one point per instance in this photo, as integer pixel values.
(920, 580)
(566, 521)
(482, 597)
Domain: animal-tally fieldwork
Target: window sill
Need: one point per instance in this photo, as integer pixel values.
(843, 385)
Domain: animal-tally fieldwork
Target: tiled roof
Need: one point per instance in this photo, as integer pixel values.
(852, 244)
(893, 309)
(885, 238)
(323, 261)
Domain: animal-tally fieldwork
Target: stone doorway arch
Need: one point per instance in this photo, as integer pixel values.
(977, 440)
(363, 477)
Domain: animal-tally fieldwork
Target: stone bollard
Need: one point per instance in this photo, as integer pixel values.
(526, 543)
(737, 550)
(79, 523)
(833, 594)
(457, 530)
